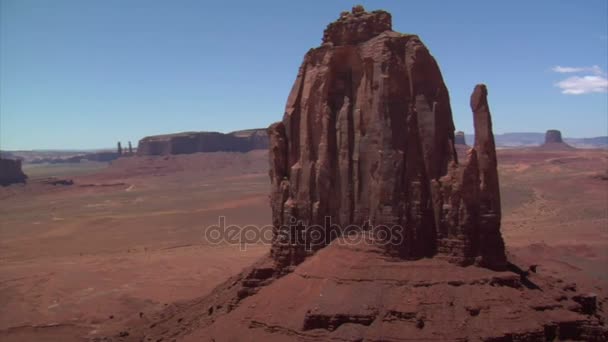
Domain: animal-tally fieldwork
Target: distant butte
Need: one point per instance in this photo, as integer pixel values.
(460, 138)
(193, 142)
(553, 141)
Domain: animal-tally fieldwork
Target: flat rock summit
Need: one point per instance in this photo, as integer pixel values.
(368, 138)
(553, 141)
(380, 232)
(193, 142)
(460, 138)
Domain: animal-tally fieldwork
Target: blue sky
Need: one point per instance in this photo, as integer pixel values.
(85, 74)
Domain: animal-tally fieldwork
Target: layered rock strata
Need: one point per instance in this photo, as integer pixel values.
(193, 142)
(367, 139)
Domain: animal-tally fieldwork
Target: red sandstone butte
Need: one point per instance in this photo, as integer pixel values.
(366, 133)
(553, 141)
(460, 138)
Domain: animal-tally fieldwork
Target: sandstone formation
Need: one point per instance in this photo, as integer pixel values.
(460, 145)
(351, 292)
(553, 136)
(10, 172)
(368, 139)
(553, 141)
(192, 142)
(459, 138)
(469, 198)
(119, 149)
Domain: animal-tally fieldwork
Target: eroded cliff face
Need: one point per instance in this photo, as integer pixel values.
(10, 172)
(366, 136)
(468, 198)
(193, 142)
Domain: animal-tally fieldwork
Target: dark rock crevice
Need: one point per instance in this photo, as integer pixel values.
(371, 140)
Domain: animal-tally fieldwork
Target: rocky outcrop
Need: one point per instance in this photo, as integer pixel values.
(367, 140)
(10, 172)
(55, 181)
(351, 292)
(553, 141)
(459, 138)
(469, 198)
(192, 142)
(553, 136)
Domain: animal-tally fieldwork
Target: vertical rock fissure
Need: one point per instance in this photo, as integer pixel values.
(370, 138)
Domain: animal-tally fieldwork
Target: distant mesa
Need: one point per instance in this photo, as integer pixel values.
(553, 136)
(193, 142)
(103, 156)
(460, 138)
(535, 139)
(11, 172)
(553, 141)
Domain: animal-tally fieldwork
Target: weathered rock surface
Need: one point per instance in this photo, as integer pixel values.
(192, 142)
(459, 138)
(10, 172)
(368, 138)
(352, 292)
(469, 198)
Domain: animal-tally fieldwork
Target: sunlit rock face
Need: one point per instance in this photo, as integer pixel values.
(365, 140)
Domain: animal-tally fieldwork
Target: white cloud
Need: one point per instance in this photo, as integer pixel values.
(586, 84)
(583, 85)
(596, 70)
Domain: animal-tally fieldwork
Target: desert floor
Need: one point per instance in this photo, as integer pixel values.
(128, 238)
